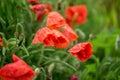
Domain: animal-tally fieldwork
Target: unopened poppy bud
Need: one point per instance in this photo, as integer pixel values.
(19, 28)
(74, 77)
(16, 34)
(81, 34)
(22, 36)
(117, 43)
(51, 67)
(91, 36)
(37, 71)
(77, 65)
(59, 5)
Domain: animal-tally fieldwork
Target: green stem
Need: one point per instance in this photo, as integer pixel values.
(41, 55)
(52, 60)
(44, 73)
(67, 57)
(24, 48)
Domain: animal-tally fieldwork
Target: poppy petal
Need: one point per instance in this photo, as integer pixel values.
(81, 16)
(57, 38)
(69, 33)
(1, 42)
(40, 35)
(82, 51)
(40, 10)
(16, 70)
(55, 20)
(61, 41)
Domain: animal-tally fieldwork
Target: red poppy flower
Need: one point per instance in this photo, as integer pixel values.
(40, 35)
(32, 1)
(1, 42)
(55, 20)
(18, 70)
(69, 33)
(76, 13)
(50, 38)
(74, 77)
(82, 51)
(40, 10)
(56, 37)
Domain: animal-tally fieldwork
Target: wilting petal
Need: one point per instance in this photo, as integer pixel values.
(55, 20)
(18, 70)
(82, 51)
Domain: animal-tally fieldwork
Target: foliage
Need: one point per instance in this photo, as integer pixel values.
(18, 25)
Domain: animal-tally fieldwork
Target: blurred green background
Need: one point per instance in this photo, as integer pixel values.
(18, 26)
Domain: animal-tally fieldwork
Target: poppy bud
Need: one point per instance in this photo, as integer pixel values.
(74, 77)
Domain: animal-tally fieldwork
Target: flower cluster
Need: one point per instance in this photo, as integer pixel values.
(51, 35)
(58, 31)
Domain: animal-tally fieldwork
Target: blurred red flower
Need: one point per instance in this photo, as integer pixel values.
(56, 37)
(40, 10)
(32, 1)
(76, 14)
(50, 38)
(56, 21)
(74, 77)
(1, 42)
(18, 70)
(82, 51)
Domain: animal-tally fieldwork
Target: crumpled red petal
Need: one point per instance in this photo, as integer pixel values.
(57, 38)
